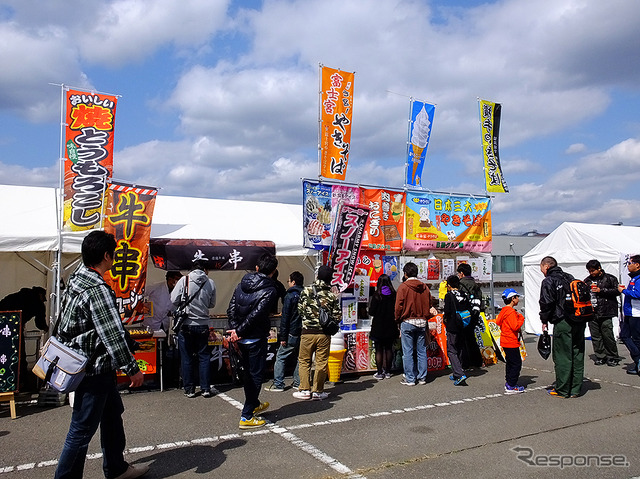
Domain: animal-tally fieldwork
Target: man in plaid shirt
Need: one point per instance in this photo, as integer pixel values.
(91, 324)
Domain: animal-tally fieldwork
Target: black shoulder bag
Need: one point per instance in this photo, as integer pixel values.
(328, 325)
(180, 314)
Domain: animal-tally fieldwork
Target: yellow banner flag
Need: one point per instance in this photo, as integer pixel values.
(490, 126)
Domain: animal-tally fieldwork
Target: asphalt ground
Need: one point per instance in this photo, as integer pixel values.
(366, 429)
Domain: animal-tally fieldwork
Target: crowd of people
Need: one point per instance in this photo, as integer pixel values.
(91, 324)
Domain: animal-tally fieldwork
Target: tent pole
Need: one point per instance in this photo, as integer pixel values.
(60, 211)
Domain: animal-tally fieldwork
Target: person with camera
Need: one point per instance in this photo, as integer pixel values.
(196, 292)
(90, 323)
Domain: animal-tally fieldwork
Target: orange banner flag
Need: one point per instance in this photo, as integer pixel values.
(128, 218)
(336, 108)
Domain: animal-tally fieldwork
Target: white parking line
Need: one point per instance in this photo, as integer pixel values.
(285, 432)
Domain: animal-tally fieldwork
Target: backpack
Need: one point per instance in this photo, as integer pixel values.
(578, 300)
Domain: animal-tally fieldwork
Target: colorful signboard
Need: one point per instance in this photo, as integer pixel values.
(90, 120)
(440, 222)
(336, 110)
(386, 218)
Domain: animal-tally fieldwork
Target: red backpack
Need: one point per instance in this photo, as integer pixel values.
(578, 301)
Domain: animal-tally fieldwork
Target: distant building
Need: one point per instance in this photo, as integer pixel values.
(507, 253)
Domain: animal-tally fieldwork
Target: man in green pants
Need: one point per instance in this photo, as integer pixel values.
(568, 335)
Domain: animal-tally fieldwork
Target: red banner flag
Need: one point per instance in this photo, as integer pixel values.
(128, 218)
(90, 120)
(336, 109)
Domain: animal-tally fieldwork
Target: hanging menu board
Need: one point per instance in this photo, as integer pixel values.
(9, 350)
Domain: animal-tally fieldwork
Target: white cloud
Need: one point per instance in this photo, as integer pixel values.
(576, 148)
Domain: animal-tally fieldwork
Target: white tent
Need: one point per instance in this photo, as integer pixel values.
(29, 237)
(573, 245)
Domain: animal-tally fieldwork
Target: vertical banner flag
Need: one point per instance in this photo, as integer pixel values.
(447, 222)
(490, 126)
(347, 240)
(386, 218)
(419, 133)
(336, 109)
(128, 218)
(90, 120)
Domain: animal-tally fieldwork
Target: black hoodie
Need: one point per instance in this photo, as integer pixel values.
(250, 305)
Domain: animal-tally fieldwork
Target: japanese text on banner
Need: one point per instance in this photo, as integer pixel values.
(447, 222)
(128, 218)
(386, 218)
(90, 120)
(347, 240)
(336, 109)
(490, 124)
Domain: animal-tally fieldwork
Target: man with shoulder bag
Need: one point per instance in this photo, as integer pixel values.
(567, 346)
(315, 338)
(90, 324)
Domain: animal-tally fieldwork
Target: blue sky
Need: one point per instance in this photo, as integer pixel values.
(219, 98)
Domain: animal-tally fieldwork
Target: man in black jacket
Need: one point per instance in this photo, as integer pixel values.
(568, 335)
(249, 325)
(604, 290)
(471, 356)
(289, 334)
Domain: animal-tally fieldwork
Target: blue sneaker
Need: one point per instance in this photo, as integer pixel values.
(452, 377)
(513, 390)
(460, 381)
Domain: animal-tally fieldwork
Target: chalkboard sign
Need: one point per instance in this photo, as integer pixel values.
(9, 350)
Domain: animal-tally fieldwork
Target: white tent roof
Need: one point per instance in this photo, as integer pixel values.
(572, 245)
(28, 221)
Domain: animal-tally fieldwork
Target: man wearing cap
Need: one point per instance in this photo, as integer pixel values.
(631, 311)
(567, 348)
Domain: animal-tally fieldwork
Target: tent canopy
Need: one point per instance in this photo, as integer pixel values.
(573, 245)
(28, 220)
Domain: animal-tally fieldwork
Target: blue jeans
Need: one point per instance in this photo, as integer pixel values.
(414, 352)
(96, 403)
(193, 342)
(285, 352)
(254, 360)
(630, 336)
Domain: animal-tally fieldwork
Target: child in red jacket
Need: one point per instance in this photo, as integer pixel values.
(510, 322)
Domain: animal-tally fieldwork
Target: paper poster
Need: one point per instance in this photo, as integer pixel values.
(448, 267)
(361, 288)
(349, 313)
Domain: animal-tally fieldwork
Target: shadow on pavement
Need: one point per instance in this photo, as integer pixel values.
(201, 459)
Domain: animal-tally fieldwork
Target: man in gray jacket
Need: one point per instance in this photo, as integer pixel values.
(193, 337)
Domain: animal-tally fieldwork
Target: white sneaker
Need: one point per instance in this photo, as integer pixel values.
(320, 396)
(134, 471)
(302, 394)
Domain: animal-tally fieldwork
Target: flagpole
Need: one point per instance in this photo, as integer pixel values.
(406, 153)
(319, 120)
(60, 209)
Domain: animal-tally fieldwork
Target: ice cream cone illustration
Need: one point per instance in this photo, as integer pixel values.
(419, 140)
